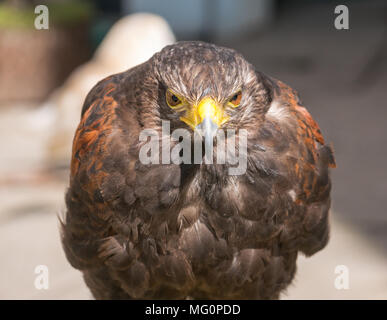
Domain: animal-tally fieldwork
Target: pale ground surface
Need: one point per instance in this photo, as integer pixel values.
(347, 98)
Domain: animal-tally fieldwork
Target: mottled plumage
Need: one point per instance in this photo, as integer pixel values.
(175, 231)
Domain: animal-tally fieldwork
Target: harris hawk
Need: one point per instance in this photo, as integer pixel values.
(183, 230)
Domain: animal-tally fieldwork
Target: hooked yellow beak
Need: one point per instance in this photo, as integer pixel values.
(206, 117)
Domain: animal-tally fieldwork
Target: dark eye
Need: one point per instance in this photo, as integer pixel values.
(172, 99)
(235, 100)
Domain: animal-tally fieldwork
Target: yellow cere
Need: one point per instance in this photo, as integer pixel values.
(207, 107)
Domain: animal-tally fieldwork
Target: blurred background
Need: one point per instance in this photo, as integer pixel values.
(45, 75)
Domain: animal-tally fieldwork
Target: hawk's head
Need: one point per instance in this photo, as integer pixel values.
(207, 87)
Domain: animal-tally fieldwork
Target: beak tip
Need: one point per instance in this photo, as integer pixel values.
(207, 128)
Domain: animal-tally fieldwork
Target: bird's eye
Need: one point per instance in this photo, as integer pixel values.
(235, 100)
(172, 100)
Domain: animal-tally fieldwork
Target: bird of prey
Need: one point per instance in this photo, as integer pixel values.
(193, 231)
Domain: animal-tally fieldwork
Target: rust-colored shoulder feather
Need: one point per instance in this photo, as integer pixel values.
(307, 159)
